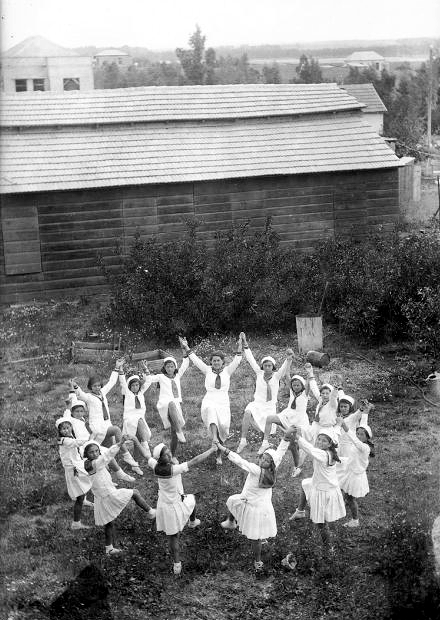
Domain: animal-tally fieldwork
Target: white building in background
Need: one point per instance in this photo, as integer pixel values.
(37, 64)
(363, 60)
(374, 107)
(109, 56)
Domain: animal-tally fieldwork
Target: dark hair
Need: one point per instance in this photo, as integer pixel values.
(163, 469)
(344, 400)
(368, 442)
(163, 371)
(88, 466)
(267, 475)
(332, 449)
(86, 449)
(92, 380)
(219, 354)
(132, 380)
(71, 426)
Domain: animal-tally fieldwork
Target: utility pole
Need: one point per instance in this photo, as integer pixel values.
(428, 161)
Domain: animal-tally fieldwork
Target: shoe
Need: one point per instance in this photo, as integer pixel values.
(87, 503)
(219, 460)
(121, 475)
(351, 523)
(296, 472)
(264, 446)
(137, 470)
(151, 514)
(228, 524)
(194, 524)
(113, 551)
(77, 525)
(181, 437)
(258, 566)
(298, 514)
(177, 568)
(289, 562)
(127, 458)
(242, 445)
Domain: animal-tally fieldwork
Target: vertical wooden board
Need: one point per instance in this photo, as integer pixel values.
(20, 254)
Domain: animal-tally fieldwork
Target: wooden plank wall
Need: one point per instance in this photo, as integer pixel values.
(76, 227)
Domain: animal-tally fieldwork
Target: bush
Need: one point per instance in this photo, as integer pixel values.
(383, 287)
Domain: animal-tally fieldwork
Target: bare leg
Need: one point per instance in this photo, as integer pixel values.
(215, 437)
(173, 542)
(113, 466)
(302, 501)
(353, 505)
(137, 497)
(77, 507)
(192, 516)
(109, 531)
(247, 416)
(174, 417)
(143, 434)
(113, 433)
(293, 447)
(325, 536)
(174, 442)
(256, 548)
(271, 419)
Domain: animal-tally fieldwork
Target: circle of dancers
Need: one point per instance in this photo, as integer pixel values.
(338, 440)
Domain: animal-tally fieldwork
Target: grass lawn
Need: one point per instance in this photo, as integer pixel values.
(385, 569)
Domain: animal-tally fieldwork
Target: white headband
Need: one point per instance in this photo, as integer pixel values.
(61, 420)
(299, 378)
(157, 450)
(170, 359)
(268, 358)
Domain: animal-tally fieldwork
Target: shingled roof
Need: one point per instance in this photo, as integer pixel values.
(118, 155)
(172, 103)
(367, 94)
(37, 47)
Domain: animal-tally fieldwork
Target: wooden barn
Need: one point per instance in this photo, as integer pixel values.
(83, 171)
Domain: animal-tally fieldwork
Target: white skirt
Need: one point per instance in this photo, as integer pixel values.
(354, 484)
(218, 415)
(130, 423)
(325, 506)
(107, 508)
(259, 412)
(162, 408)
(291, 417)
(172, 518)
(100, 432)
(77, 485)
(255, 521)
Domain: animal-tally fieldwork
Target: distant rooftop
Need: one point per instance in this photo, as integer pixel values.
(173, 103)
(112, 52)
(364, 57)
(37, 47)
(367, 94)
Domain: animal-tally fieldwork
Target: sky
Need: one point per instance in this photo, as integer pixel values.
(167, 24)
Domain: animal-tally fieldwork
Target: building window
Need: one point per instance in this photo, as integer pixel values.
(38, 84)
(20, 86)
(71, 83)
(378, 66)
(120, 61)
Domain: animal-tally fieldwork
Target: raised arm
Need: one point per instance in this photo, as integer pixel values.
(251, 468)
(183, 367)
(248, 354)
(123, 383)
(113, 377)
(202, 457)
(311, 381)
(285, 367)
(316, 453)
(78, 391)
(360, 445)
(199, 363)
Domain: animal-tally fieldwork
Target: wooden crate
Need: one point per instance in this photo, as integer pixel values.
(82, 351)
(153, 358)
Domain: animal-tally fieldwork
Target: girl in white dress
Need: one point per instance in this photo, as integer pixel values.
(134, 422)
(109, 501)
(77, 481)
(353, 476)
(267, 385)
(295, 414)
(215, 409)
(174, 509)
(252, 509)
(326, 409)
(103, 431)
(322, 491)
(352, 420)
(169, 404)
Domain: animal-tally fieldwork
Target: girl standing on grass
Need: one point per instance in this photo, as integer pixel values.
(103, 432)
(352, 420)
(174, 509)
(109, 501)
(77, 481)
(170, 397)
(295, 414)
(326, 409)
(134, 422)
(76, 412)
(252, 509)
(322, 491)
(215, 409)
(264, 405)
(353, 474)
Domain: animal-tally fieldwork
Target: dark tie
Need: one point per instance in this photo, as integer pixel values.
(218, 382)
(174, 388)
(104, 410)
(137, 402)
(293, 405)
(268, 390)
(318, 411)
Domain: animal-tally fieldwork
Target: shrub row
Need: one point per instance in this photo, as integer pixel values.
(383, 287)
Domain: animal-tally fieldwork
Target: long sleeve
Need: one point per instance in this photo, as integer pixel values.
(144, 383)
(110, 383)
(251, 359)
(252, 468)
(104, 459)
(230, 368)
(70, 441)
(316, 453)
(282, 371)
(198, 362)
(183, 367)
(82, 395)
(314, 388)
(360, 445)
(280, 452)
(123, 382)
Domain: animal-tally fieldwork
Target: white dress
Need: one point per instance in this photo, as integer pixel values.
(252, 508)
(345, 444)
(77, 480)
(215, 407)
(322, 490)
(97, 423)
(260, 407)
(325, 416)
(131, 415)
(352, 475)
(109, 501)
(173, 506)
(166, 395)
